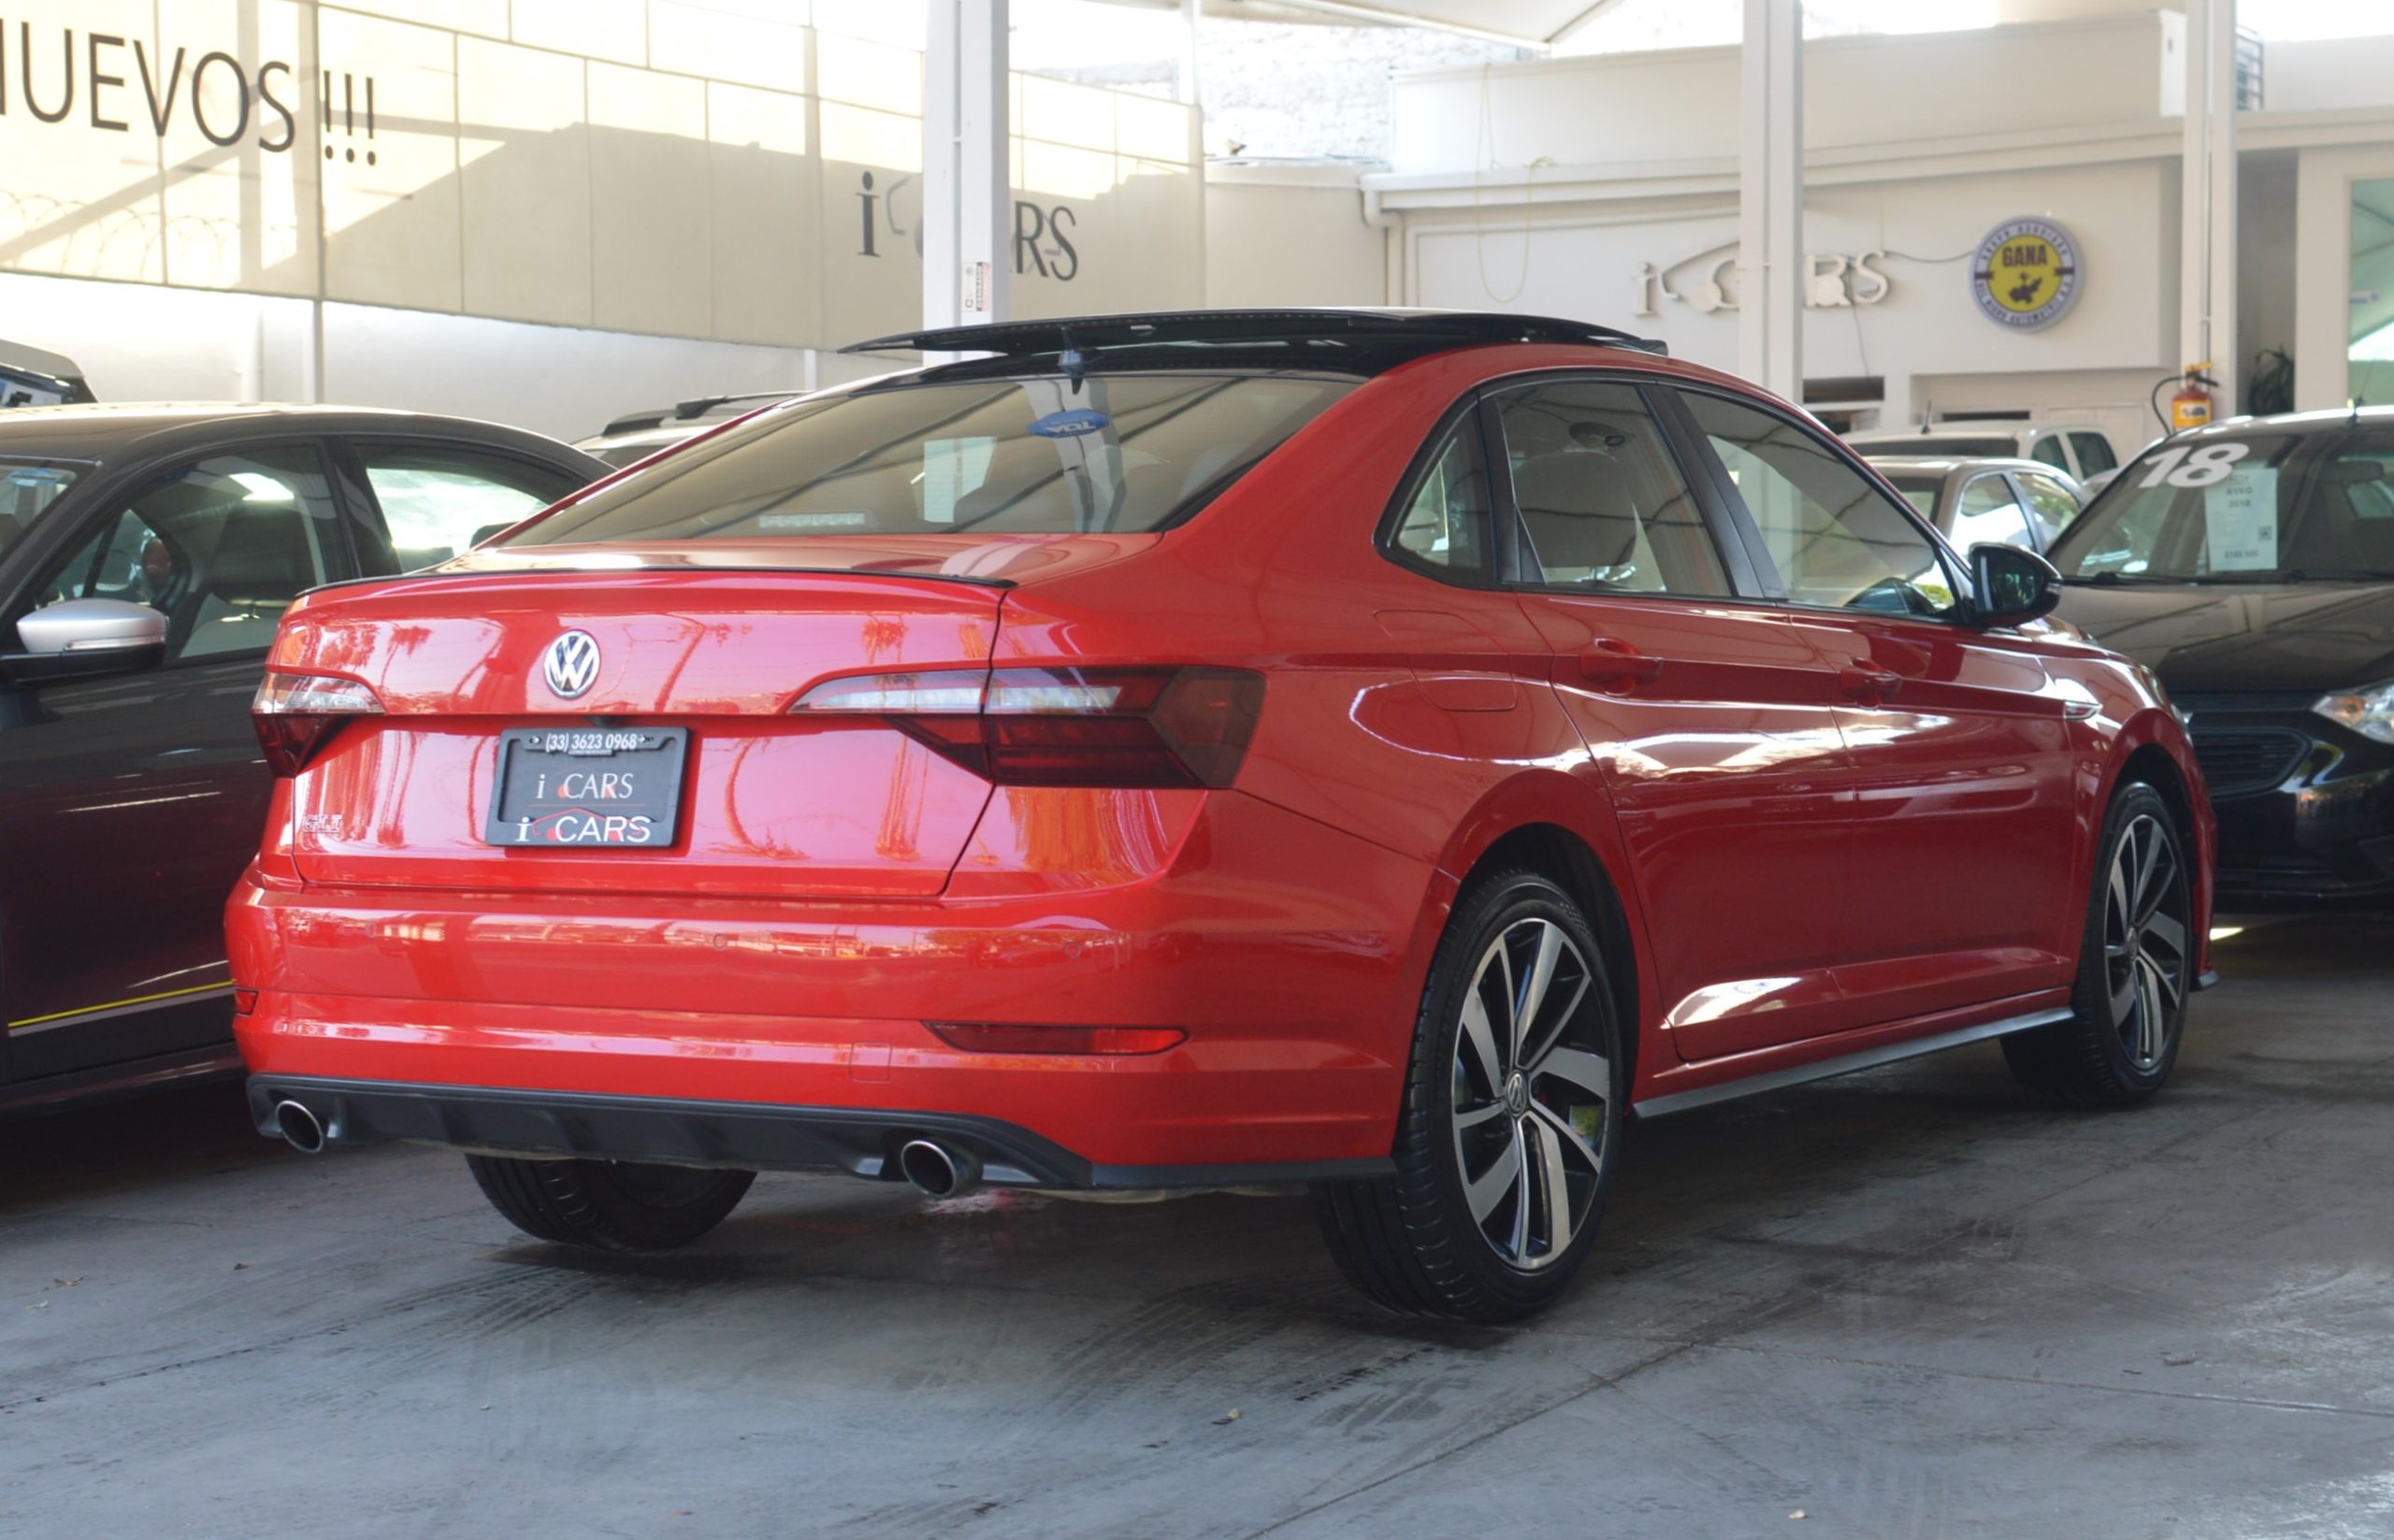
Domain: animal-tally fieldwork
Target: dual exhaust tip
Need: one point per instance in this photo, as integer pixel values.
(936, 1170)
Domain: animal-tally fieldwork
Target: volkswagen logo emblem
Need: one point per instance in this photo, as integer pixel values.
(571, 665)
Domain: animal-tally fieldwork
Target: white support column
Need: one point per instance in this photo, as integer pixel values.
(967, 201)
(2207, 202)
(1771, 199)
(1192, 13)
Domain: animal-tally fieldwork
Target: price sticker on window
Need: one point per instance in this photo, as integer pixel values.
(2240, 520)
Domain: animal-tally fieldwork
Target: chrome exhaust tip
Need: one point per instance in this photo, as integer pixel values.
(300, 1128)
(938, 1171)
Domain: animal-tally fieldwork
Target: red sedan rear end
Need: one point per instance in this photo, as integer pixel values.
(1189, 752)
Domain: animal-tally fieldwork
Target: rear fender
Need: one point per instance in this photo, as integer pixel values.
(1573, 802)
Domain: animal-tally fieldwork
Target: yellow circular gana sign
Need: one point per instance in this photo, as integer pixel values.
(2025, 273)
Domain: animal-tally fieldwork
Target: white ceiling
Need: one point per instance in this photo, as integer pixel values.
(1532, 23)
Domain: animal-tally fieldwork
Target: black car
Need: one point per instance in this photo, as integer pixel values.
(146, 556)
(2251, 566)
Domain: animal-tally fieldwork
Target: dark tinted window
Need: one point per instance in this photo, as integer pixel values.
(2095, 454)
(27, 489)
(2254, 507)
(1602, 502)
(2050, 451)
(1837, 540)
(221, 548)
(1132, 451)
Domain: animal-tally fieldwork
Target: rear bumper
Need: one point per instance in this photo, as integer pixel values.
(747, 1136)
(1289, 954)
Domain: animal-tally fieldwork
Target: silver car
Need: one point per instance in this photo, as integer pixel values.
(1980, 501)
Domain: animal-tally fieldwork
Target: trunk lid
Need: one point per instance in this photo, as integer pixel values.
(769, 805)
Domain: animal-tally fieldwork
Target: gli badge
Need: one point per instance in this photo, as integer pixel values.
(571, 665)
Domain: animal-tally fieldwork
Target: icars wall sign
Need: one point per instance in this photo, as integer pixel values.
(2025, 274)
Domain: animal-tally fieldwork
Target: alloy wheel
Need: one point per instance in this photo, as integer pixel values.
(2145, 951)
(1532, 1094)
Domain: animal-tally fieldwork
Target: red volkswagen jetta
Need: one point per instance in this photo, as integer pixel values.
(1376, 751)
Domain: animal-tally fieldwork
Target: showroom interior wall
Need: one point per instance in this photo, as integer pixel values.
(534, 210)
(1605, 187)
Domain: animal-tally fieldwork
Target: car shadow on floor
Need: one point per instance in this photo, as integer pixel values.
(88, 1152)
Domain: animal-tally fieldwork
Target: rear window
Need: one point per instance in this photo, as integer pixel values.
(1025, 456)
(1919, 491)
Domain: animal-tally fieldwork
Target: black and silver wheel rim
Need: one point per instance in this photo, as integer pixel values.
(2145, 951)
(1532, 1094)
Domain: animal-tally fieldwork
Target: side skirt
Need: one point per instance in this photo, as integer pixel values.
(1864, 1058)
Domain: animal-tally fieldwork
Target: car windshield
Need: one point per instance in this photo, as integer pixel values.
(1044, 455)
(27, 489)
(2256, 507)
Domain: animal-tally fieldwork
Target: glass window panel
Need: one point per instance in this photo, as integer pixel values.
(1602, 502)
(1837, 540)
(1445, 521)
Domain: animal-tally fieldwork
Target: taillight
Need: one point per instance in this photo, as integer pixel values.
(1151, 727)
(297, 715)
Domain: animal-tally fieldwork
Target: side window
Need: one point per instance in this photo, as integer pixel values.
(220, 547)
(1837, 540)
(1446, 520)
(1602, 502)
(438, 501)
(2048, 449)
(2053, 504)
(2095, 454)
(1989, 514)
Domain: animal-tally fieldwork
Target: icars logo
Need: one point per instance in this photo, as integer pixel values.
(571, 665)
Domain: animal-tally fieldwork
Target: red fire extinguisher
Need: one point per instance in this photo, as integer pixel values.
(2191, 407)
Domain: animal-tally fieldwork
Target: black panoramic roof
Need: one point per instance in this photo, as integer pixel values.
(1362, 341)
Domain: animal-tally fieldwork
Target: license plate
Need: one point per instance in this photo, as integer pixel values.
(588, 788)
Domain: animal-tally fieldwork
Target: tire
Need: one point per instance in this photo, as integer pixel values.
(1453, 1234)
(2136, 968)
(609, 1205)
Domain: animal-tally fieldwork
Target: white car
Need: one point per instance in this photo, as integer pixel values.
(2082, 450)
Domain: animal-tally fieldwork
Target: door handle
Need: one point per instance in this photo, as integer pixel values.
(1617, 664)
(1867, 684)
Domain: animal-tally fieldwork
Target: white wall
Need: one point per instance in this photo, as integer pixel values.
(1585, 263)
(142, 343)
(1678, 105)
(1291, 235)
(2326, 74)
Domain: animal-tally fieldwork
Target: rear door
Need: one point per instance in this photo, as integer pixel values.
(132, 802)
(1714, 722)
(1960, 888)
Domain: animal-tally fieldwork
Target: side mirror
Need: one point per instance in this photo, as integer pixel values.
(86, 639)
(2014, 586)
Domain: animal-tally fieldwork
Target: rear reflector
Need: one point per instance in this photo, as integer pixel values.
(1110, 1041)
(297, 715)
(1143, 727)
